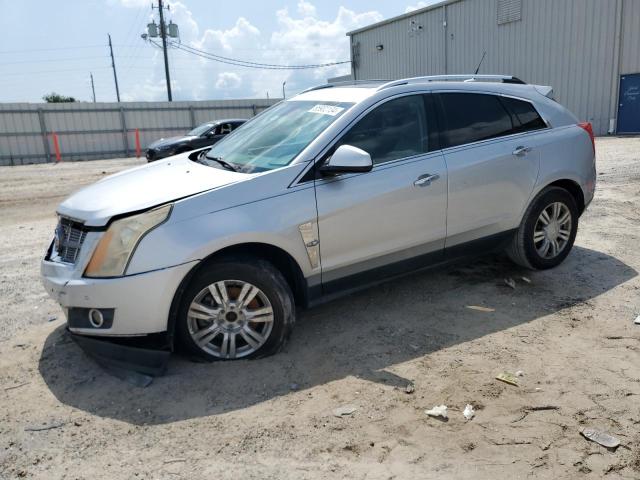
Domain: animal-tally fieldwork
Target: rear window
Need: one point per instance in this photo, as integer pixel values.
(526, 117)
(471, 117)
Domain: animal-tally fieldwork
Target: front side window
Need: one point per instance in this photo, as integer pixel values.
(395, 129)
(200, 129)
(471, 117)
(274, 138)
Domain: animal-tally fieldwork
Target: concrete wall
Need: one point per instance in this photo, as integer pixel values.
(580, 47)
(104, 130)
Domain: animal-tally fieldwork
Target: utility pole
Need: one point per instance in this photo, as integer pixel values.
(93, 88)
(163, 34)
(113, 64)
(283, 94)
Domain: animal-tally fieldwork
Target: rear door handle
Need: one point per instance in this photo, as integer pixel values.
(521, 150)
(426, 179)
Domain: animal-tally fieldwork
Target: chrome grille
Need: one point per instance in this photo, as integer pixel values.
(70, 236)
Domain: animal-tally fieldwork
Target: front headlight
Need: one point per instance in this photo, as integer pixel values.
(116, 246)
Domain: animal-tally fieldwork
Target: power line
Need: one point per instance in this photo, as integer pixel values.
(54, 71)
(50, 49)
(71, 59)
(249, 64)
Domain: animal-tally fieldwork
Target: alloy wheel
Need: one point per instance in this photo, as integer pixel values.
(552, 231)
(230, 319)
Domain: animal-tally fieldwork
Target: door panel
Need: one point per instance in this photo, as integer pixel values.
(370, 220)
(489, 186)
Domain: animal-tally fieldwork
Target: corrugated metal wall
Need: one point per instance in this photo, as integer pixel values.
(104, 130)
(569, 44)
(630, 57)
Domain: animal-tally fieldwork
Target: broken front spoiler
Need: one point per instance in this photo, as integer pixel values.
(134, 364)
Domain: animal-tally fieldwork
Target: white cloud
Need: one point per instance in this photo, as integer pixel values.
(298, 38)
(306, 9)
(228, 80)
(132, 3)
(418, 6)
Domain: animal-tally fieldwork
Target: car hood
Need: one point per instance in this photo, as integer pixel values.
(144, 187)
(165, 142)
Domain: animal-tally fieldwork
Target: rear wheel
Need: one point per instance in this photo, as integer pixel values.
(547, 232)
(236, 310)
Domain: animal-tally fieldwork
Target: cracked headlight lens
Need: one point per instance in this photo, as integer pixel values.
(111, 256)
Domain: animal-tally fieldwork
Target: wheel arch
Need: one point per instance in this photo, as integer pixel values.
(573, 188)
(281, 259)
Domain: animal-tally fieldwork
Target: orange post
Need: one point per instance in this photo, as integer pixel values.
(138, 149)
(56, 147)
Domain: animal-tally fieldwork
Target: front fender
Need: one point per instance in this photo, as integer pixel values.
(273, 221)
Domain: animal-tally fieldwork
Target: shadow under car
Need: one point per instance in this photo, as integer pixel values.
(359, 335)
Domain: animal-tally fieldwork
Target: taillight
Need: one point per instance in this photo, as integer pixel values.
(587, 127)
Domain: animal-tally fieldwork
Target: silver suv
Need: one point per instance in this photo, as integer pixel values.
(337, 188)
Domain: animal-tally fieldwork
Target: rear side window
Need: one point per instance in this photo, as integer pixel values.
(526, 117)
(395, 129)
(471, 117)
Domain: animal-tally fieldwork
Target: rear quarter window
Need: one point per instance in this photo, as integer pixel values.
(526, 117)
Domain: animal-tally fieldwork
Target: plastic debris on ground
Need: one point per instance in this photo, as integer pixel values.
(509, 378)
(637, 320)
(410, 388)
(344, 411)
(601, 438)
(526, 279)
(519, 373)
(481, 308)
(438, 411)
(510, 282)
(469, 412)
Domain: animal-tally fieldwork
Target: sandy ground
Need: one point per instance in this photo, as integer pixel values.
(570, 331)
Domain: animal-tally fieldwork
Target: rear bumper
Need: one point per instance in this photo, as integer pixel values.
(140, 303)
(590, 188)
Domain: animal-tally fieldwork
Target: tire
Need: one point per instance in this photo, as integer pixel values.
(250, 329)
(527, 247)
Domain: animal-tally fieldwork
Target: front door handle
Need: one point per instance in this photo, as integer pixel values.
(426, 179)
(521, 150)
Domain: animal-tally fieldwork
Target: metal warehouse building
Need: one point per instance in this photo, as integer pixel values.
(588, 50)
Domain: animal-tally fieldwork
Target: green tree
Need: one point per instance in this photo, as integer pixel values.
(54, 97)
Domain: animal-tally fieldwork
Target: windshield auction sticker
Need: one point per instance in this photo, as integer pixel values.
(326, 110)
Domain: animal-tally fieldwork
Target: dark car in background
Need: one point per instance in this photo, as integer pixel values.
(201, 136)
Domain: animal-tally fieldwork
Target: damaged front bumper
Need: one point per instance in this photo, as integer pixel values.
(131, 362)
(132, 305)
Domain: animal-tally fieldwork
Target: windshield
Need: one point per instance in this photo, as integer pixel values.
(276, 137)
(200, 129)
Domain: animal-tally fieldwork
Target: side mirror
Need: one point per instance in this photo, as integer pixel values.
(348, 159)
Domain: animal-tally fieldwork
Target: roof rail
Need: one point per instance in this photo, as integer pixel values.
(455, 78)
(342, 83)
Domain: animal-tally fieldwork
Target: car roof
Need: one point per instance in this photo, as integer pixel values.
(226, 120)
(354, 92)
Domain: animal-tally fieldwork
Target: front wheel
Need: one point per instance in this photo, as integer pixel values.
(236, 309)
(547, 231)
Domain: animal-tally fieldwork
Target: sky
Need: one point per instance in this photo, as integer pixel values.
(54, 46)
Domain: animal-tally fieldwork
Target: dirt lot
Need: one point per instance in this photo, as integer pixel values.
(570, 331)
